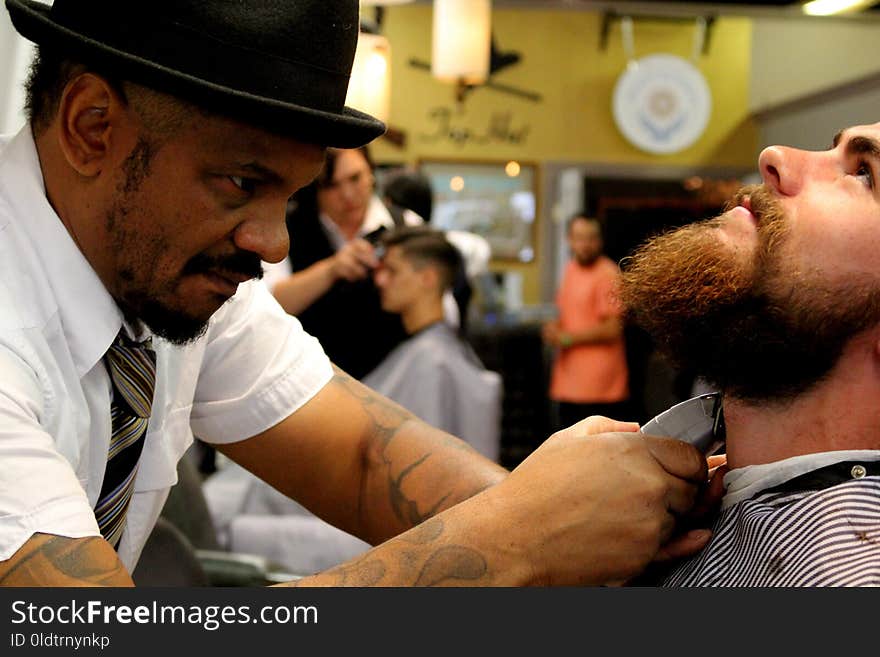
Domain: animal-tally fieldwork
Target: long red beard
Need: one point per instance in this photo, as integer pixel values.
(742, 319)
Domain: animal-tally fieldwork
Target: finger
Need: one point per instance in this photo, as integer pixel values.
(684, 545)
(711, 494)
(366, 258)
(360, 244)
(354, 272)
(668, 528)
(680, 495)
(678, 458)
(600, 424)
(716, 460)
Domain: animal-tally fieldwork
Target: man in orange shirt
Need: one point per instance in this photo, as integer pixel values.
(589, 374)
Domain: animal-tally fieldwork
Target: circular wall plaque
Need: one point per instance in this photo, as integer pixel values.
(661, 103)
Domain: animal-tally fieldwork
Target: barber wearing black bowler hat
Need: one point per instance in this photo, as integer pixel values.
(164, 139)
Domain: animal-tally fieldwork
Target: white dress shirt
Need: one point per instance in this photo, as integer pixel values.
(377, 216)
(253, 368)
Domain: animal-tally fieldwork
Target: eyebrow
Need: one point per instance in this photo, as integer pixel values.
(349, 177)
(265, 173)
(858, 145)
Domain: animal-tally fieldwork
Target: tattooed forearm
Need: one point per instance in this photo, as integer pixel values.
(445, 564)
(364, 572)
(428, 531)
(55, 560)
(452, 563)
(418, 557)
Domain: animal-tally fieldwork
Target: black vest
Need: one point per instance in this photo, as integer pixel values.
(348, 320)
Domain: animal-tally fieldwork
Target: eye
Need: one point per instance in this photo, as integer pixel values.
(863, 171)
(246, 185)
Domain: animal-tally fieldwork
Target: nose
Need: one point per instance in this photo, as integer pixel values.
(264, 233)
(348, 191)
(782, 169)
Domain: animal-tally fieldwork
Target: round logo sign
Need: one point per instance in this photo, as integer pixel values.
(661, 103)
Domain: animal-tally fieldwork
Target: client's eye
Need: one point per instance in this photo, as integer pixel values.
(863, 171)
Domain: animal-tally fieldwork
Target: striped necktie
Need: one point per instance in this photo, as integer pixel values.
(132, 368)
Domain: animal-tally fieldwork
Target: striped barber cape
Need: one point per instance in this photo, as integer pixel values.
(819, 529)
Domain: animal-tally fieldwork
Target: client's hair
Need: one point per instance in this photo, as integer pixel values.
(424, 246)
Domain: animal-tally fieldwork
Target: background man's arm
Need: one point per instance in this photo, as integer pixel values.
(301, 289)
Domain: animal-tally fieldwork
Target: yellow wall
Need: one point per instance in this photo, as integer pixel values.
(561, 60)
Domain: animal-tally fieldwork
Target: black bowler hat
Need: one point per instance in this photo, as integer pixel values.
(282, 65)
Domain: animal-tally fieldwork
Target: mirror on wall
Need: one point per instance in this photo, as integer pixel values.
(497, 200)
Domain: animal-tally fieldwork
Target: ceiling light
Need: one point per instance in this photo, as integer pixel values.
(369, 88)
(829, 7)
(461, 40)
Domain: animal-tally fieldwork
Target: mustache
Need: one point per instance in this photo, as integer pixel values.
(241, 262)
(765, 207)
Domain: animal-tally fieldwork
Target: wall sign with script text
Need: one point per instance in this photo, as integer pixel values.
(501, 129)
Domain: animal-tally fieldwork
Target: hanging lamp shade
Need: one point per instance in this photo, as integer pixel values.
(369, 88)
(461, 40)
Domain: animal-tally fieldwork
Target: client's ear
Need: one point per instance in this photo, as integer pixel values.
(430, 277)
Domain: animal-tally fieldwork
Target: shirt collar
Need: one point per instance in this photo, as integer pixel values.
(377, 216)
(89, 317)
(744, 483)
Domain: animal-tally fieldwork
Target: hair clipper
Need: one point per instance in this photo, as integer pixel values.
(698, 421)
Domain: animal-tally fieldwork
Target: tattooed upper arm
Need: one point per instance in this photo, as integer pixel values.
(50, 560)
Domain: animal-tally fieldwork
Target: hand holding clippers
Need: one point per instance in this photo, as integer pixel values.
(698, 421)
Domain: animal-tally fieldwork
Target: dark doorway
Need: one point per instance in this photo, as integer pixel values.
(631, 212)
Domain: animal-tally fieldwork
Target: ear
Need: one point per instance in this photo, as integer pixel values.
(429, 277)
(87, 114)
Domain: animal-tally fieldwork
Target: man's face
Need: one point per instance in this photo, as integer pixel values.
(762, 300)
(585, 241)
(400, 283)
(346, 197)
(192, 218)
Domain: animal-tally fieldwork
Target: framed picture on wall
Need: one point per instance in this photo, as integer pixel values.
(497, 200)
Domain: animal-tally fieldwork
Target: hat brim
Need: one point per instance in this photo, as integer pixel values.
(349, 128)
